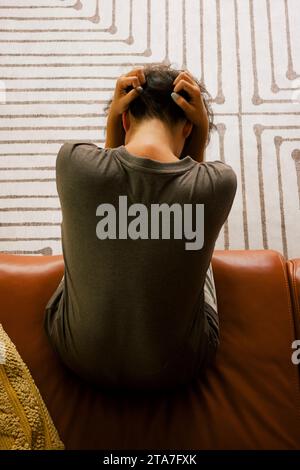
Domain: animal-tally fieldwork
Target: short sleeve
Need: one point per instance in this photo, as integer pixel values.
(62, 166)
(63, 154)
(224, 182)
(225, 189)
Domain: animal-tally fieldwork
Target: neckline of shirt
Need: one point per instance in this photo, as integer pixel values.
(149, 164)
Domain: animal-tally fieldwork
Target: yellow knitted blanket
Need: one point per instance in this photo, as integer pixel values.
(25, 423)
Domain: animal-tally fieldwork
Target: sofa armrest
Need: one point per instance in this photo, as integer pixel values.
(293, 267)
(26, 285)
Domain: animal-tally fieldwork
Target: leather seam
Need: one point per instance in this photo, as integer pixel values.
(297, 304)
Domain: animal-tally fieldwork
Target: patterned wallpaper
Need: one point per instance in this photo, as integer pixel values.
(59, 60)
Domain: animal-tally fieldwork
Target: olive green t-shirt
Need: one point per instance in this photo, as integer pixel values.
(130, 309)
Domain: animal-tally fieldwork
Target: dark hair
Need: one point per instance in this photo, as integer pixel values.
(155, 101)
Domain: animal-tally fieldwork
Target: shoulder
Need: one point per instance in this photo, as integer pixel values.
(222, 181)
(223, 175)
(220, 169)
(78, 155)
(81, 149)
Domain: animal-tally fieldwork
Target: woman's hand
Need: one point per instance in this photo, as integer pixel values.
(115, 134)
(195, 112)
(194, 109)
(121, 98)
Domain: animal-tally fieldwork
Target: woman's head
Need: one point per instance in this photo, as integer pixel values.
(155, 101)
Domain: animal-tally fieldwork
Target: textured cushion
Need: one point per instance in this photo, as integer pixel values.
(25, 423)
(248, 400)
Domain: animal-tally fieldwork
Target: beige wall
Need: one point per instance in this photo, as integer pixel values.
(58, 63)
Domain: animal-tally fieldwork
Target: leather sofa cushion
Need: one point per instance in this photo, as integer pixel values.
(249, 399)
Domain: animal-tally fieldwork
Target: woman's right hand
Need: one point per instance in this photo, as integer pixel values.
(194, 109)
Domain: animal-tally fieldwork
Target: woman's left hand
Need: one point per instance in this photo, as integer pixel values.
(122, 98)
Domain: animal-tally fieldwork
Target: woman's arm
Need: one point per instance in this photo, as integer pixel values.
(195, 112)
(195, 144)
(115, 134)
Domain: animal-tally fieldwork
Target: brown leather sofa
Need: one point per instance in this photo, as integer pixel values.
(249, 399)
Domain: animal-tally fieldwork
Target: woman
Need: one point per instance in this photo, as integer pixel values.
(136, 308)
